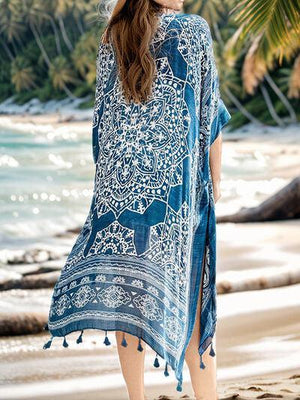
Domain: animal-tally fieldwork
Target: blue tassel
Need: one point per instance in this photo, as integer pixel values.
(124, 342)
(202, 365)
(179, 387)
(212, 352)
(140, 347)
(79, 339)
(65, 343)
(48, 344)
(156, 362)
(166, 373)
(106, 340)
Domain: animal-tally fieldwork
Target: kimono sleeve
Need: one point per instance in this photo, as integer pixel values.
(97, 102)
(104, 66)
(213, 112)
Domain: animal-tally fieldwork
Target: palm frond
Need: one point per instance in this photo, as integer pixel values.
(273, 18)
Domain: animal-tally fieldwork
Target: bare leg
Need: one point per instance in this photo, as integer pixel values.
(132, 365)
(204, 381)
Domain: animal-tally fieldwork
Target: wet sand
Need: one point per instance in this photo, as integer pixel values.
(257, 336)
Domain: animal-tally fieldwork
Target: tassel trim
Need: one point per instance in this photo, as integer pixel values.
(124, 342)
(212, 351)
(140, 347)
(79, 339)
(166, 372)
(202, 365)
(106, 340)
(179, 387)
(65, 343)
(156, 362)
(48, 344)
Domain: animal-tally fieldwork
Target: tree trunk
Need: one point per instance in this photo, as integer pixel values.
(242, 109)
(22, 323)
(285, 204)
(258, 279)
(69, 93)
(64, 33)
(56, 35)
(270, 106)
(79, 25)
(282, 97)
(40, 44)
(7, 50)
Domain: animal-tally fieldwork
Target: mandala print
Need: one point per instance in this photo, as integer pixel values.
(115, 239)
(148, 307)
(83, 296)
(134, 265)
(114, 296)
(141, 147)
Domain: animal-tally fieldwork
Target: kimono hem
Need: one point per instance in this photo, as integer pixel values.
(146, 254)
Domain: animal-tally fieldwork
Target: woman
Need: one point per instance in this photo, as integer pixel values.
(144, 262)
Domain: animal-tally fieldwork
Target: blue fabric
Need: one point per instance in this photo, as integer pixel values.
(220, 120)
(136, 265)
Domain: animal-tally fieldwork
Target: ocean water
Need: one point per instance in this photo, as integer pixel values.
(47, 181)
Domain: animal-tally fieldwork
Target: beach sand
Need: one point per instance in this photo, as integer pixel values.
(257, 345)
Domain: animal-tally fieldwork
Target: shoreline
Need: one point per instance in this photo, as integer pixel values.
(251, 343)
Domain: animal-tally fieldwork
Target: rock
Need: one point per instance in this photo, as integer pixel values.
(49, 266)
(22, 323)
(39, 281)
(13, 280)
(9, 279)
(30, 256)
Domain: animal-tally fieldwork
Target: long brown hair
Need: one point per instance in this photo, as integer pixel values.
(130, 30)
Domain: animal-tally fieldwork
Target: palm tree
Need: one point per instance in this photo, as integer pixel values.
(84, 56)
(61, 10)
(270, 31)
(22, 74)
(61, 74)
(10, 23)
(213, 11)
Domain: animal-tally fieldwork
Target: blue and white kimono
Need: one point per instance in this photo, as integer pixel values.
(136, 265)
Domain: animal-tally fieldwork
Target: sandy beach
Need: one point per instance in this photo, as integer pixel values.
(255, 348)
(258, 341)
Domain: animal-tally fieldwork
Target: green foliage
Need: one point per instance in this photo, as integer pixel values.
(48, 92)
(82, 90)
(6, 90)
(273, 18)
(48, 51)
(87, 104)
